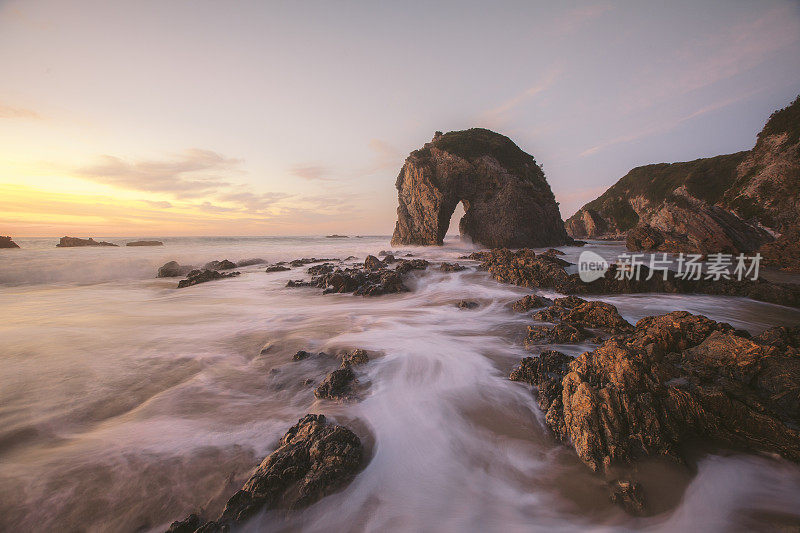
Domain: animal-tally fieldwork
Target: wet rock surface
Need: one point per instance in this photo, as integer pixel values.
(6, 242)
(505, 194)
(674, 378)
(220, 265)
(531, 301)
(467, 304)
(72, 242)
(338, 385)
(314, 459)
(629, 495)
(173, 270)
(201, 276)
(277, 268)
(374, 279)
(451, 267)
(523, 267)
(783, 253)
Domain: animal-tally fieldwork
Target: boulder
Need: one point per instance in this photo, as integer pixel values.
(467, 304)
(675, 379)
(355, 357)
(220, 265)
(373, 263)
(6, 242)
(597, 314)
(173, 270)
(314, 459)
(451, 267)
(72, 242)
(277, 268)
(506, 198)
(338, 385)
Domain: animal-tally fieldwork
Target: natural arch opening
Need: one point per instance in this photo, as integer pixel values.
(455, 220)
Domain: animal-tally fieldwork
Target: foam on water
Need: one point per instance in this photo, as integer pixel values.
(125, 404)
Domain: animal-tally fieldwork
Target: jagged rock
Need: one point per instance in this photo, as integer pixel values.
(355, 357)
(389, 259)
(506, 198)
(783, 253)
(718, 204)
(308, 260)
(324, 268)
(387, 252)
(71, 242)
(301, 355)
(629, 495)
(554, 313)
(569, 301)
(220, 265)
(598, 315)
(524, 268)
(250, 262)
(6, 242)
(407, 265)
(553, 251)
(373, 263)
(201, 276)
(531, 301)
(145, 243)
(545, 372)
(173, 270)
(467, 304)
(451, 267)
(314, 459)
(559, 334)
(338, 385)
(277, 268)
(675, 378)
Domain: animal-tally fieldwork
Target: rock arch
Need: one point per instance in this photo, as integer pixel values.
(507, 201)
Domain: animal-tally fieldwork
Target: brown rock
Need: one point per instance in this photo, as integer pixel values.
(6, 242)
(506, 198)
(145, 243)
(72, 242)
(338, 385)
(531, 301)
(201, 276)
(173, 270)
(783, 253)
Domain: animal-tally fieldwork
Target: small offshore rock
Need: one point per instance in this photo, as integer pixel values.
(201, 276)
(373, 263)
(277, 268)
(145, 243)
(71, 242)
(355, 357)
(407, 265)
(173, 270)
(338, 385)
(451, 267)
(250, 262)
(467, 304)
(6, 242)
(629, 495)
(220, 265)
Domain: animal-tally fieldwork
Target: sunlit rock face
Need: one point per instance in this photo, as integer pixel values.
(506, 198)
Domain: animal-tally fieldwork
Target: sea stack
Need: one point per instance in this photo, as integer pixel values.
(72, 242)
(507, 201)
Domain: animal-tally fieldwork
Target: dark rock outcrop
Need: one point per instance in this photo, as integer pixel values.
(173, 270)
(220, 265)
(675, 378)
(338, 385)
(277, 268)
(373, 263)
(314, 459)
(72, 242)
(6, 242)
(201, 276)
(451, 267)
(145, 243)
(250, 262)
(507, 201)
(355, 357)
(467, 304)
(523, 267)
(335, 236)
(718, 204)
(530, 301)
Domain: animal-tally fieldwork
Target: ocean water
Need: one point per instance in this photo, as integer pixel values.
(126, 404)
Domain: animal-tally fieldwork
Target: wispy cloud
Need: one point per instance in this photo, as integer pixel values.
(574, 19)
(665, 126)
(163, 204)
(312, 172)
(193, 173)
(497, 116)
(7, 111)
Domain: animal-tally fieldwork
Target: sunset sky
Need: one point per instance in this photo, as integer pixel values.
(287, 118)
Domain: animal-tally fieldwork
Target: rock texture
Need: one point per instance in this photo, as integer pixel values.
(718, 204)
(527, 269)
(374, 279)
(72, 242)
(173, 270)
(201, 276)
(783, 253)
(674, 378)
(6, 242)
(314, 458)
(507, 201)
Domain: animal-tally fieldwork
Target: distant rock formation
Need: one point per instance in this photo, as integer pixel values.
(506, 198)
(717, 204)
(145, 243)
(173, 270)
(335, 236)
(72, 242)
(6, 242)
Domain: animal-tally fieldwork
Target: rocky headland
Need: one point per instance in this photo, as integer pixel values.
(730, 203)
(506, 198)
